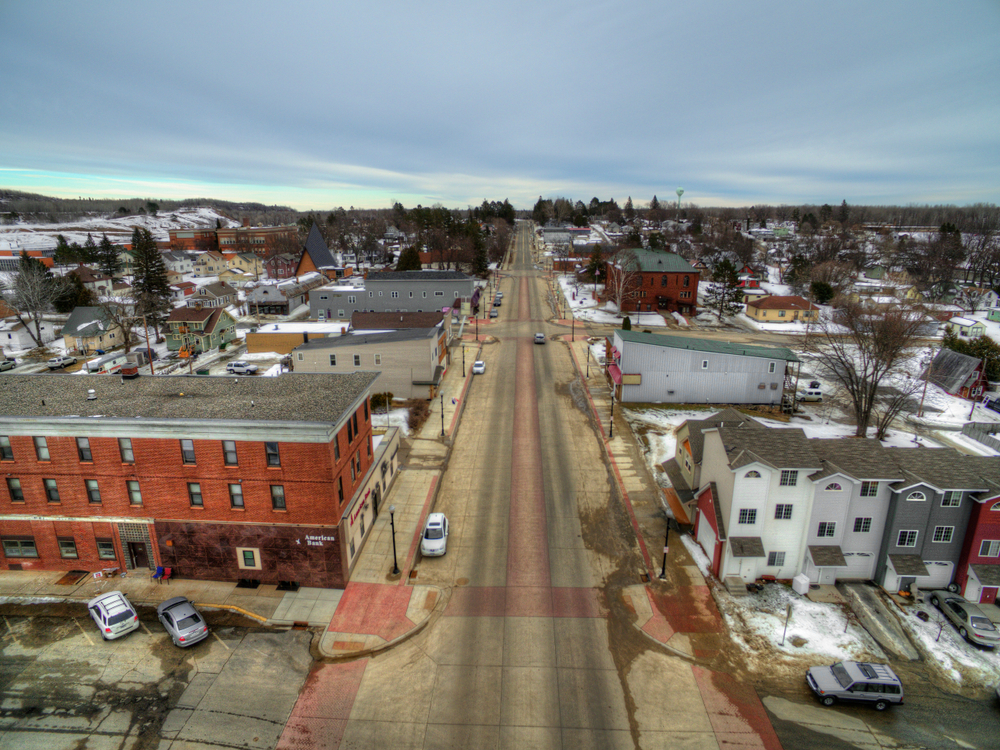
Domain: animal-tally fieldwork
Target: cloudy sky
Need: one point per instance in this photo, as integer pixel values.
(324, 104)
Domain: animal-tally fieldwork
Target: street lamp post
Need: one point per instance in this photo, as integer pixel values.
(666, 548)
(442, 413)
(611, 430)
(463, 361)
(392, 524)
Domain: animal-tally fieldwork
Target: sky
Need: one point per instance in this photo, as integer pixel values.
(316, 105)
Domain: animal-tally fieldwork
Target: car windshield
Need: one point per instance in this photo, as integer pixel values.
(981, 623)
(434, 533)
(120, 617)
(841, 674)
(189, 622)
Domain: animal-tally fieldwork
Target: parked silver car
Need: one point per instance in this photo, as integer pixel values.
(968, 619)
(182, 621)
(856, 681)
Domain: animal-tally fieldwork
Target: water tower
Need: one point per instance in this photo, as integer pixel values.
(680, 192)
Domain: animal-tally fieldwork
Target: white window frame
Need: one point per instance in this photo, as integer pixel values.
(378, 359)
(989, 548)
(747, 517)
(771, 366)
(951, 499)
(901, 532)
(826, 529)
(704, 364)
(256, 558)
(869, 489)
(783, 511)
(865, 524)
(775, 559)
(916, 497)
(946, 534)
(789, 478)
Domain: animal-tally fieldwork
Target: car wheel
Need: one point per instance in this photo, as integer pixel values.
(953, 587)
(828, 700)
(934, 601)
(964, 633)
(881, 705)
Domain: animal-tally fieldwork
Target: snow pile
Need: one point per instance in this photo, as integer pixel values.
(396, 418)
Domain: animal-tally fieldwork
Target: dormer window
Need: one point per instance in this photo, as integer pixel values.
(833, 487)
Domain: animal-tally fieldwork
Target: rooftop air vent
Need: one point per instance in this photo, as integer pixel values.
(91, 394)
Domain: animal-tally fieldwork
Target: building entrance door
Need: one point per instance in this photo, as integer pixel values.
(375, 499)
(140, 557)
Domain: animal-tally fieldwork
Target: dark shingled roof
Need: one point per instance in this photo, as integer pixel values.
(909, 565)
(317, 250)
(298, 397)
(988, 575)
(380, 321)
(746, 546)
(827, 556)
(418, 276)
(859, 458)
(728, 416)
(951, 370)
(944, 468)
(778, 448)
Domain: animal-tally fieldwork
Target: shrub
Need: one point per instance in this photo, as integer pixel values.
(379, 401)
(419, 411)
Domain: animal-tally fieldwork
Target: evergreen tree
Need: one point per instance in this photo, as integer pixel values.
(629, 209)
(822, 292)
(627, 324)
(981, 347)
(844, 213)
(67, 253)
(90, 251)
(409, 259)
(654, 205)
(150, 287)
(74, 295)
(105, 256)
(595, 267)
(725, 294)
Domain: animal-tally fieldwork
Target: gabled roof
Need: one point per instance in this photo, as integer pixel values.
(317, 250)
(777, 448)
(728, 417)
(790, 302)
(89, 275)
(707, 345)
(656, 261)
(86, 321)
(216, 290)
(951, 370)
(942, 468)
(860, 459)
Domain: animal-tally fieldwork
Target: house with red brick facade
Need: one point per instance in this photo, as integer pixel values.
(268, 479)
(665, 282)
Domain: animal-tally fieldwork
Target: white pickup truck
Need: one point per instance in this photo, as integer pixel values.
(241, 368)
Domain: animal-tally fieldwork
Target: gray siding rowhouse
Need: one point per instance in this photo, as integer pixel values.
(393, 291)
(650, 368)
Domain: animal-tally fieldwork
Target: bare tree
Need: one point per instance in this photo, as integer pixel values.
(122, 315)
(892, 399)
(623, 277)
(33, 291)
(860, 349)
(972, 298)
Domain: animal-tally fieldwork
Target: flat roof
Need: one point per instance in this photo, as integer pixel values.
(299, 397)
(708, 345)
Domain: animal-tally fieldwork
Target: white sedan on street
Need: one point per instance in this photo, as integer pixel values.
(478, 367)
(434, 540)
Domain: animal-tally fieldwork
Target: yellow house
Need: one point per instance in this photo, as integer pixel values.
(210, 264)
(782, 310)
(248, 263)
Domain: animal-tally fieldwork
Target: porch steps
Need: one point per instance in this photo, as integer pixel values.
(735, 586)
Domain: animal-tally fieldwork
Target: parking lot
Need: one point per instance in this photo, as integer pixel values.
(62, 686)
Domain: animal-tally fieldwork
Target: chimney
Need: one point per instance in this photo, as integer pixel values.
(246, 221)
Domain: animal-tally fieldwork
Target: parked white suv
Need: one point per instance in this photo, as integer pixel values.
(241, 368)
(114, 614)
(57, 363)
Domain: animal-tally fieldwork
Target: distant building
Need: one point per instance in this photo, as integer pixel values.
(193, 240)
(262, 241)
(782, 310)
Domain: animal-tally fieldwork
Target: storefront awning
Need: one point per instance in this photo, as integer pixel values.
(616, 374)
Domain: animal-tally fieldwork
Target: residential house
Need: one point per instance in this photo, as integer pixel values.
(412, 361)
(393, 321)
(199, 329)
(978, 571)
(218, 294)
(392, 291)
(15, 335)
(235, 278)
(179, 262)
(180, 291)
(281, 266)
(96, 281)
(89, 329)
(783, 309)
(993, 314)
(270, 484)
(957, 374)
(284, 298)
(966, 327)
(647, 367)
(248, 263)
(126, 262)
(209, 264)
(666, 282)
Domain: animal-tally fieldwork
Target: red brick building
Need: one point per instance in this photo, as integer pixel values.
(219, 479)
(262, 241)
(200, 240)
(664, 282)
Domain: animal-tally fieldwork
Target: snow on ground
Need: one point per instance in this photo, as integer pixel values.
(587, 307)
(957, 660)
(396, 418)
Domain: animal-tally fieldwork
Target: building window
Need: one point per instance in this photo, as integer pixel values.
(236, 495)
(952, 499)
(134, 493)
(833, 487)
(350, 432)
(354, 473)
(366, 410)
(357, 360)
(273, 457)
(378, 359)
(106, 549)
(783, 512)
(394, 295)
(917, 496)
(869, 489)
(862, 525)
(278, 497)
(125, 449)
(340, 490)
(248, 558)
(14, 488)
(770, 366)
(752, 474)
(781, 313)
(83, 449)
(41, 449)
(775, 559)
(789, 478)
(943, 534)
(704, 364)
(51, 490)
(438, 294)
(826, 528)
(351, 299)
(187, 451)
(20, 548)
(687, 281)
(6, 452)
(333, 360)
(194, 495)
(229, 456)
(336, 447)
(93, 491)
(67, 548)
(989, 548)
(906, 539)
(748, 515)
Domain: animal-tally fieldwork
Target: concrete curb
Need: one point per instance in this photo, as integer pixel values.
(435, 613)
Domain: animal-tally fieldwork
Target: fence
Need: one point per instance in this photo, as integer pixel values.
(983, 432)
